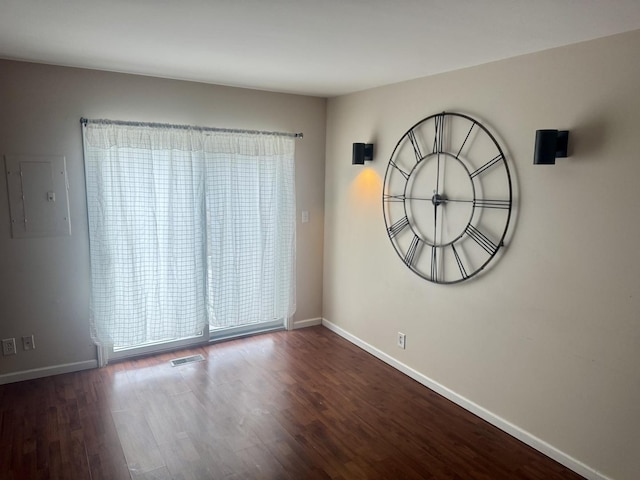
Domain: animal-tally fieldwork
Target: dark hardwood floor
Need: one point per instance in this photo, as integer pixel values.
(289, 405)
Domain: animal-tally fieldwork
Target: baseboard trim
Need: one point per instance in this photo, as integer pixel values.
(47, 371)
(310, 322)
(504, 425)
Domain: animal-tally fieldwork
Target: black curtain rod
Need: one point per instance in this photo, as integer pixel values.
(85, 121)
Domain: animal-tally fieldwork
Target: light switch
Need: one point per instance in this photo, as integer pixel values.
(305, 216)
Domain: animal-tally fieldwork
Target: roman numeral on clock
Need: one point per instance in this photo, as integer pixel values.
(402, 172)
(398, 226)
(434, 264)
(485, 203)
(438, 139)
(481, 239)
(413, 252)
(463, 271)
(416, 145)
(465, 140)
(487, 165)
(393, 198)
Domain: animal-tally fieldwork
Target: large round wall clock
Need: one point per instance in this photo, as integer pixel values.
(447, 198)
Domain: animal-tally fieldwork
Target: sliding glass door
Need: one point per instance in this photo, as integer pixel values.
(192, 234)
(250, 240)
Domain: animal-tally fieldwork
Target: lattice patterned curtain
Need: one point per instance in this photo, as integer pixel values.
(187, 227)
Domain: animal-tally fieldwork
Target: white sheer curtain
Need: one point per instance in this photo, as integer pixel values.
(187, 227)
(250, 229)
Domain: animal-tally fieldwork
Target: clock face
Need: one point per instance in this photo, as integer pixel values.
(447, 198)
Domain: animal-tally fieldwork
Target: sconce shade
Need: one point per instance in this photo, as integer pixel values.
(550, 144)
(362, 152)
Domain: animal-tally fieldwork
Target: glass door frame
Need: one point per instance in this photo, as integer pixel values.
(154, 347)
(208, 335)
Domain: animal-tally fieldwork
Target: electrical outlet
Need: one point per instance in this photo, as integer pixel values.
(28, 342)
(402, 340)
(9, 346)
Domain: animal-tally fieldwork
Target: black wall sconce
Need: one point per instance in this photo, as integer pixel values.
(550, 144)
(362, 152)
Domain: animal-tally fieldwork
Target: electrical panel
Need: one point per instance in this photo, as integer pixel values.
(38, 196)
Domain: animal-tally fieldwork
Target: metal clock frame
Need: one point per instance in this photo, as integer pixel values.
(472, 232)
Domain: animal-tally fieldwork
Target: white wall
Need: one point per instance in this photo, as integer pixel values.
(549, 339)
(44, 282)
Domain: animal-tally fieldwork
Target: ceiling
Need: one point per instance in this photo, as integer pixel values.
(314, 47)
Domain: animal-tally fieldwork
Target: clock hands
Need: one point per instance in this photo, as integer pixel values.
(441, 199)
(437, 199)
(436, 202)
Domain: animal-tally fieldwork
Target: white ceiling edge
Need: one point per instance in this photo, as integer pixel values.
(319, 48)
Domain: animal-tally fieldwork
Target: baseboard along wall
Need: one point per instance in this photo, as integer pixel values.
(85, 365)
(47, 371)
(497, 421)
(310, 322)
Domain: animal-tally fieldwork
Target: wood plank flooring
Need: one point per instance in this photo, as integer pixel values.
(288, 405)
